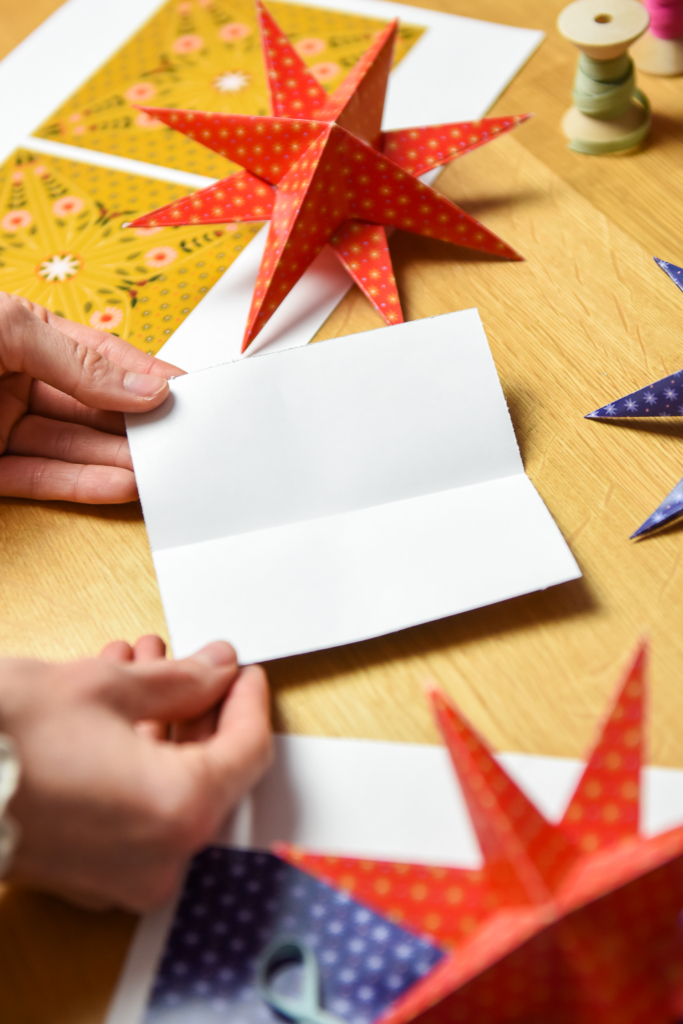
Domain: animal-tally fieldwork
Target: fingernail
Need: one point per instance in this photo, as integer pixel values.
(217, 654)
(144, 385)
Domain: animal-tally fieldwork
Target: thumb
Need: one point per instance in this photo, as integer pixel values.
(29, 345)
(166, 691)
(241, 747)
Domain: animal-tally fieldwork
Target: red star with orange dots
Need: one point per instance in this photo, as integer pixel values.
(574, 923)
(324, 172)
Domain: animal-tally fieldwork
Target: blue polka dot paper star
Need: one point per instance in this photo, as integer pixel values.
(234, 903)
(663, 398)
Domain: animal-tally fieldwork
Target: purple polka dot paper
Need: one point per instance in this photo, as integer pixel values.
(234, 903)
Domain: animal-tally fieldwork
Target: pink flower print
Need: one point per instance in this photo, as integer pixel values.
(107, 320)
(326, 71)
(206, 3)
(15, 220)
(187, 44)
(184, 7)
(75, 117)
(141, 92)
(310, 47)
(67, 206)
(40, 171)
(144, 120)
(145, 232)
(162, 256)
(233, 31)
(17, 177)
(79, 129)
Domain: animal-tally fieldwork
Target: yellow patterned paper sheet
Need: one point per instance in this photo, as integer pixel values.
(203, 55)
(62, 240)
(63, 245)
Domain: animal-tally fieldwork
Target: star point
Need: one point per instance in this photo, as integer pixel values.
(570, 921)
(328, 166)
(646, 403)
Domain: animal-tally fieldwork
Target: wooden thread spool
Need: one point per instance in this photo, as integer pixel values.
(657, 52)
(619, 119)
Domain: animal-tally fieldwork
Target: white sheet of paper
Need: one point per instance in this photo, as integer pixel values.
(455, 71)
(394, 801)
(309, 498)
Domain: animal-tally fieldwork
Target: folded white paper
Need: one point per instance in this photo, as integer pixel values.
(319, 496)
(393, 801)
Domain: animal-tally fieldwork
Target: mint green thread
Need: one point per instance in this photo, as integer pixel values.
(304, 1008)
(604, 89)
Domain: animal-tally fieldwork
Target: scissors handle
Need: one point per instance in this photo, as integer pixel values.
(304, 1008)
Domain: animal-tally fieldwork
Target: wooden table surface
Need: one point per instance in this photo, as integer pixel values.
(588, 317)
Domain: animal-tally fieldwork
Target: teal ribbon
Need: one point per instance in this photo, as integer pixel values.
(305, 1008)
(604, 89)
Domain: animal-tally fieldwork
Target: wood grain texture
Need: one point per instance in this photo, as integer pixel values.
(587, 318)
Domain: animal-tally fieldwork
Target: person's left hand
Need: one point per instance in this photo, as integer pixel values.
(63, 390)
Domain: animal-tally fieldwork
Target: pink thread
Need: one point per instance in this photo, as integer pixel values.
(666, 18)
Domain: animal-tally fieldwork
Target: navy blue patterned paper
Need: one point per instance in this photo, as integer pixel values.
(663, 398)
(670, 510)
(674, 272)
(234, 902)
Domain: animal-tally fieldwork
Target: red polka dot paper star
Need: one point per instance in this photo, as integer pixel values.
(575, 923)
(324, 172)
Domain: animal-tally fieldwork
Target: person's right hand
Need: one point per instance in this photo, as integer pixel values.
(63, 389)
(110, 810)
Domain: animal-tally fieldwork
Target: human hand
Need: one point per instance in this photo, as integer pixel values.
(63, 389)
(109, 814)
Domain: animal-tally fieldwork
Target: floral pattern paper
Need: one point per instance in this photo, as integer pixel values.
(63, 245)
(203, 55)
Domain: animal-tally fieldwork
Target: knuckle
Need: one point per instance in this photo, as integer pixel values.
(13, 315)
(93, 365)
(80, 475)
(10, 306)
(35, 475)
(100, 679)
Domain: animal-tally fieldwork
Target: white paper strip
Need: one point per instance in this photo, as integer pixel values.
(63, 151)
(213, 331)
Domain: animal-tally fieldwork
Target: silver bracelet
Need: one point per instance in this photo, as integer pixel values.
(9, 780)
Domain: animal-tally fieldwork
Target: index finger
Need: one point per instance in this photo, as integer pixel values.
(115, 349)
